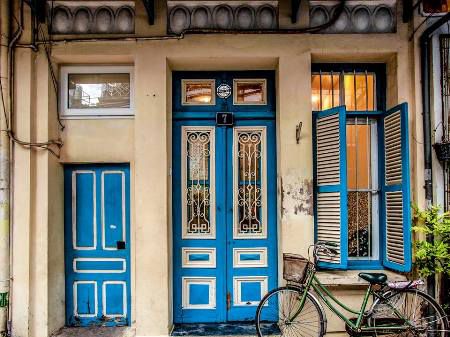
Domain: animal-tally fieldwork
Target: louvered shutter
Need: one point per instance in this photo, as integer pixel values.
(395, 190)
(330, 179)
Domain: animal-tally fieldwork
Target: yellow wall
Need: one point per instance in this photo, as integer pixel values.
(145, 142)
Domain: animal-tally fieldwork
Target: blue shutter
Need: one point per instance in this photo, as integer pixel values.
(330, 182)
(395, 190)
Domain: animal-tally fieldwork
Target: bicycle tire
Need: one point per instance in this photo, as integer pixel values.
(395, 298)
(268, 328)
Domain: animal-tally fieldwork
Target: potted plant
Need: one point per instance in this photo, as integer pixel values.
(433, 258)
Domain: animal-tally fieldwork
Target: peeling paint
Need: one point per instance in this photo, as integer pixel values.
(296, 196)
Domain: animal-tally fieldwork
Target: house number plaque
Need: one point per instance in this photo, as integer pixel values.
(224, 119)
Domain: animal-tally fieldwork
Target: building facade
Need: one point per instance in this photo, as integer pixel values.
(167, 154)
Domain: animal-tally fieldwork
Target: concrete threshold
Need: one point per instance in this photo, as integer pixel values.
(96, 332)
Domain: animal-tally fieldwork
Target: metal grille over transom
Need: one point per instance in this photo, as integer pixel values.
(394, 227)
(393, 155)
(327, 149)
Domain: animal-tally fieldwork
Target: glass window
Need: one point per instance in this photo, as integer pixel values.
(198, 92)
(362, 187)
(94, 91)
(90, 91)
(250, 91)
(356, 90)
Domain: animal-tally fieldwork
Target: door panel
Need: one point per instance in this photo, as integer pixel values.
(198, 217)
(97, 245)
(252, 234)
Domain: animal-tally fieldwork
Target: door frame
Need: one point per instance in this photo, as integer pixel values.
(191, 113)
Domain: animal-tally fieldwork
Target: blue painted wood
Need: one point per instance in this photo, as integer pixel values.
(224, 273)
(404, 186)
(247, 312)
(85, 286)
(341, 187)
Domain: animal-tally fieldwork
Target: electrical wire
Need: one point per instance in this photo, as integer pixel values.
(337, 11)
(9, 120)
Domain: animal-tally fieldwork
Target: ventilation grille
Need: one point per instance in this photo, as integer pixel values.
(394, 227)
(329, 222)
(327, 150)
(393, 149)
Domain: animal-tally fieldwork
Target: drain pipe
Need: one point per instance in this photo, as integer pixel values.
(425, 53)
(4, 170)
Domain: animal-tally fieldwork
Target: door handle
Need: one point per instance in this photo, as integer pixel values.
(121, 245)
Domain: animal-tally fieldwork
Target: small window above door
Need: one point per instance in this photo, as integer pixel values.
(198, 92)
(250, 91)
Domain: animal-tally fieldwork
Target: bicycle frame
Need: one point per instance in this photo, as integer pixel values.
(327, 297)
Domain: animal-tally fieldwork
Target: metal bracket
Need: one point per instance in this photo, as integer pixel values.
(150, 8)
(295, 6)
(298, 132)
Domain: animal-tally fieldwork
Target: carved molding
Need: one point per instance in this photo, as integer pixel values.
(372, 16)
(92, 17)
(232, 15)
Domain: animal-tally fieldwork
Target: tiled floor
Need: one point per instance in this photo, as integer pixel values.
(217, 329)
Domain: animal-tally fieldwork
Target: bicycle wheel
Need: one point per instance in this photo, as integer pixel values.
(425, 317)
(279, 314)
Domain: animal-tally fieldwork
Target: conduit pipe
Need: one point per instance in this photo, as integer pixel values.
(425, 52)
(4, 170)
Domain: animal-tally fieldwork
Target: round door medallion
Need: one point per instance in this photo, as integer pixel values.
(224, 90)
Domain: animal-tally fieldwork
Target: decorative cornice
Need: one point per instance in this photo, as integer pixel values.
(232, 15)
(370, 16)
(92, 17)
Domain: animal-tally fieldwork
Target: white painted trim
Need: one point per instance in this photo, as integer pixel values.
(212, 183)
(93, 69)
(249, 80)
(75, 302)
(206, 80)
(74, 210)
(264, 221)
(103, 208)
(186, 263)
(210, 281)
(99, 271)
(237, 282)
(261, 263)
(124, 298)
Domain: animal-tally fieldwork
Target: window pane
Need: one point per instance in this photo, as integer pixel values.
(359, 91)
(361, 166)
(359, 223)
(315, 92)
(250, 92)
(349, 89)
(358, 156)
(99, 91)
(198, 92)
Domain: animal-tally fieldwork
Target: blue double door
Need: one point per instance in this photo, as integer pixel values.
(97, 244)
(224, 212)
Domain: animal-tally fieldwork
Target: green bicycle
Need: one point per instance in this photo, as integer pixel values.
(397, 308)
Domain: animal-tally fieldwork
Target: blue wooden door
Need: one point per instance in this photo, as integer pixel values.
(97, 244)
(224, 203)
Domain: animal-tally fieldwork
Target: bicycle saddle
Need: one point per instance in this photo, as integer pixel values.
(373, 278)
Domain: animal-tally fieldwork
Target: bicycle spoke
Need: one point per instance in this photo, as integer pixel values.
(292, 318)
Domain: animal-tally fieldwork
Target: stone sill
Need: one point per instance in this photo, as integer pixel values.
(350, 278)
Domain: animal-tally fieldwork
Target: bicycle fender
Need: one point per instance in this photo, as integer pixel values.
(324, 315)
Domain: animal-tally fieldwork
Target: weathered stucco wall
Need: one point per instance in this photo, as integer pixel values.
(145, 142)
